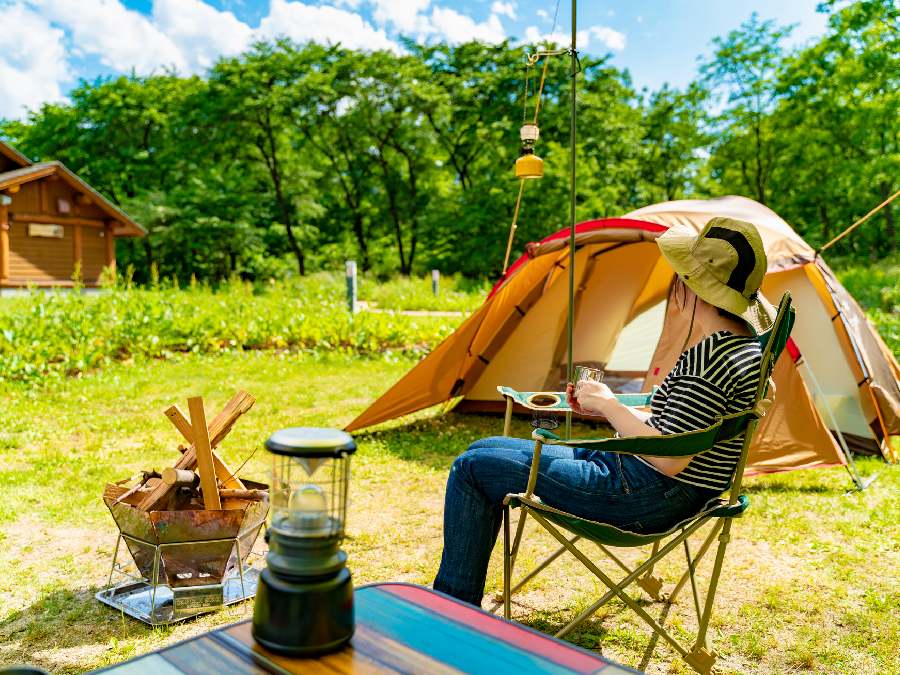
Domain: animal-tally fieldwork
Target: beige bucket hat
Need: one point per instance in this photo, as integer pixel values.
(724, 265)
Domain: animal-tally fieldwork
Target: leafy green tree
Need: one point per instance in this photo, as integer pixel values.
(743, 73)
(252, 99)
(674, 137)
(839, 103)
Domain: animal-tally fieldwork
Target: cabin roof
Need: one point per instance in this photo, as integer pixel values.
(13, 155)
(32, 172)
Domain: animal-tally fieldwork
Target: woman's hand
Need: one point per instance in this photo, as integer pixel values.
(589, 397)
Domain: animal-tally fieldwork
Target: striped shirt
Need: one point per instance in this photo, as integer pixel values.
(717, 376)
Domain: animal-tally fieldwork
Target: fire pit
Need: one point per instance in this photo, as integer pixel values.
(189, 534)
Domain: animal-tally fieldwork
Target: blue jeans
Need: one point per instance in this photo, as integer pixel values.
(617, 489)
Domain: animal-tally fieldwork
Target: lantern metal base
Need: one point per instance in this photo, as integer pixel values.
(157, 604)
(304, 618)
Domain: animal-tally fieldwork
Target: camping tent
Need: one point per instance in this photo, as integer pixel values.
(836, 373)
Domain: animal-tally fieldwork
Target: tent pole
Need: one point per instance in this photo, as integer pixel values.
(572, 136)
(851, 465)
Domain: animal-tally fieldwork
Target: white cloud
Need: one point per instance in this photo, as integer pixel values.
(456, 27)
(190, 35)
(559, 38)
(121, 38)
(201, 32)
(33, 66)
(405, 16)
(302, 23)
(504, 9)
(610, 38)
(542, 14)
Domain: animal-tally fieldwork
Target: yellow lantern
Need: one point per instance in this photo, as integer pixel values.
(529, 165)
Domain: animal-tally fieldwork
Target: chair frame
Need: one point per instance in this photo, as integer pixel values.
(699, 655)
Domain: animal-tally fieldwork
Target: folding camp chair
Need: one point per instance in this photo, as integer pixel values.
(720, 512)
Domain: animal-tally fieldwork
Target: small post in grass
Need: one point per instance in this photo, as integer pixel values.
(351, 286)
(436, 282)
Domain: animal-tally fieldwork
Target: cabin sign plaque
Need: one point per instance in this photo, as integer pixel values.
(45, 230)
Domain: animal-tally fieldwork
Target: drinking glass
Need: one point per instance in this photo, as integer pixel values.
(588, 373)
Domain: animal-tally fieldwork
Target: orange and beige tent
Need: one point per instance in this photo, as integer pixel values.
(836, 383)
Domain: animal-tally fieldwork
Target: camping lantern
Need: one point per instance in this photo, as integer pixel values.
(304, 602)
(529, 165)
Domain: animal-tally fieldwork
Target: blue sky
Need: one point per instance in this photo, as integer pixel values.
(57, 42)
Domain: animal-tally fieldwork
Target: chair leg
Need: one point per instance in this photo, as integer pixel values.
(650, 584)
(533, 573)
(507, 418)
(701, 657)
(618, 589)
(507, 565)
(700, 553)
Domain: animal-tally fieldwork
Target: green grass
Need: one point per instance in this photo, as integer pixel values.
(44, 337)
(809, 583)
(456, 293)
(49, 336)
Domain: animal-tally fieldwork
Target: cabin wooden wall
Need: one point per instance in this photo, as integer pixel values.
(48, 260)
(38, 259)
(93, 253)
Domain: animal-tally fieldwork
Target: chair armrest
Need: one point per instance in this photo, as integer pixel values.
(685, 444)
(635, 400)
(544, 435)
(665, 445)
(555, 401)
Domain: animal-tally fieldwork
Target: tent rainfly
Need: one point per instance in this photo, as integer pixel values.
(837, 382)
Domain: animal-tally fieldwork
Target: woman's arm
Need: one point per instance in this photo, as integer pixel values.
(595, 398)
(592, 398)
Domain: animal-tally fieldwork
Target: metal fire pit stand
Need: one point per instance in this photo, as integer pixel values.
(157, 604)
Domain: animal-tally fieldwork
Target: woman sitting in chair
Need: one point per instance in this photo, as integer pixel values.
(718, 275)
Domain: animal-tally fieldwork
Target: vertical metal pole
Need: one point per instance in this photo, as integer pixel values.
(351, 285)
(113, 568)
(572, 138)
(436, 282)
(507, 565)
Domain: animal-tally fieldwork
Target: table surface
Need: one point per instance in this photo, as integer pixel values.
(399, 628)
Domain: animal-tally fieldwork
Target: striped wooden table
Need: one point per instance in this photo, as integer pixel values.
(399, 628)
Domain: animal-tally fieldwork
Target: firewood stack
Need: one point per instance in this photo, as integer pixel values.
(200, 479)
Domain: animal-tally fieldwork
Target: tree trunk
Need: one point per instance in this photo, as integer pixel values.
(360, 235)
(270, 156)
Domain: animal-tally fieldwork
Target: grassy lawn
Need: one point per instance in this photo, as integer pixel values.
(809, 585)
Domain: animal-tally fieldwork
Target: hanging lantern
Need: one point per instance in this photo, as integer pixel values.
(529, 165)
(304, 602)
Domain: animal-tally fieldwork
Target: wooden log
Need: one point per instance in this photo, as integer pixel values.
(252, 495)
(218, 429)
(119, 493)
(203, 451)
(113, 491)
(179, 477)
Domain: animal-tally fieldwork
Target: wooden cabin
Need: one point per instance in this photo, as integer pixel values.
(51, 221)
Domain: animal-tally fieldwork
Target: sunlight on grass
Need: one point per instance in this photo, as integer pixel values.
(809, 583)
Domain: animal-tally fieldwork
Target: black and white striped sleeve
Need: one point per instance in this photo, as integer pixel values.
(691, 403)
